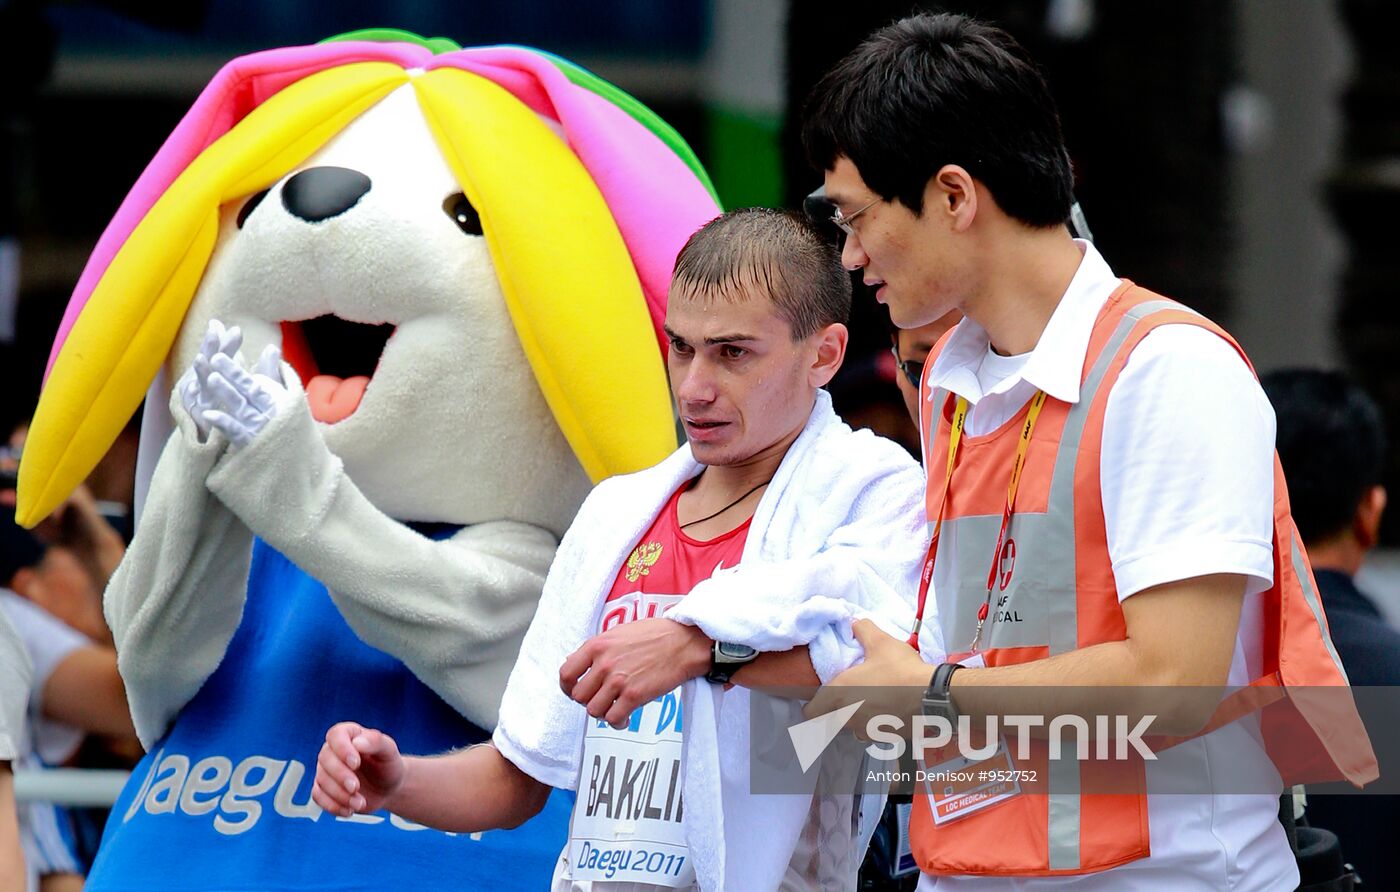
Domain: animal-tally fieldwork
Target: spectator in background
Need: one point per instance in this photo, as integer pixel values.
(862, 394)
(60, 586)
(81, 528)
(14, 693)
(75, 689)
(1331, 442)
(911, 347)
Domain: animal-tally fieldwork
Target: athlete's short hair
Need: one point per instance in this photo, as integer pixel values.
(779, 253)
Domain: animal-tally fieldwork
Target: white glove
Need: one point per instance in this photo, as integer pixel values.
(241, 403)
(191, 386)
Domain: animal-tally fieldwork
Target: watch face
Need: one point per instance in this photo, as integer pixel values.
(736, 651)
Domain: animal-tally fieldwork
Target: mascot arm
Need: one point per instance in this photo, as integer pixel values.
(176, 599)
(453, 611)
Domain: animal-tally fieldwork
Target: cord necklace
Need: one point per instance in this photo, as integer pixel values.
(727, 507)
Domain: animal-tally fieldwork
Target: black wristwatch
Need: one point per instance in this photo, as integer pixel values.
(938, 699)
(726, 659)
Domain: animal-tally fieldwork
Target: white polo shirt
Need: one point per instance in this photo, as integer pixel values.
(1187, 477)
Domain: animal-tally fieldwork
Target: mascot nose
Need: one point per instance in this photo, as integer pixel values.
(323, 192)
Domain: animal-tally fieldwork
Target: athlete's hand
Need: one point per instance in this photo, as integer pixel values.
(358, 770)
(632, 664)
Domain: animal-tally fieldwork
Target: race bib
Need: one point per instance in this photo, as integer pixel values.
(627, 823)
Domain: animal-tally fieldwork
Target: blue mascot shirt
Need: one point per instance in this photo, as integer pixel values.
(224, 800)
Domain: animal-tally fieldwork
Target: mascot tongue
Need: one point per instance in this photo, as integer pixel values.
(334, 399)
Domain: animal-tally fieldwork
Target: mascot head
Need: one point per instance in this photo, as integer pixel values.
(463, 253)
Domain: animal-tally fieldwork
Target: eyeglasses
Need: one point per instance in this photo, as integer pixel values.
(843, 223)
(912, 369)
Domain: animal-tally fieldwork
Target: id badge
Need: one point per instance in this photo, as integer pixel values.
(960, 787)
(972, 659)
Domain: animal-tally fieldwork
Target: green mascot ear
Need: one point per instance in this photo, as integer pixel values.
(438, 45)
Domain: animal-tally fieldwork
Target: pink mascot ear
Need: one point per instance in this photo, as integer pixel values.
(613, 145)
(239, 87)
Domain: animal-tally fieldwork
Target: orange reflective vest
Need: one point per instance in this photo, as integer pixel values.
(1065, 598)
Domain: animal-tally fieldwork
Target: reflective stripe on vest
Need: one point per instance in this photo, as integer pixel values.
(1057, 594)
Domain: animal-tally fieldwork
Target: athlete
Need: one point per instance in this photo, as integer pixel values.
(735, 563)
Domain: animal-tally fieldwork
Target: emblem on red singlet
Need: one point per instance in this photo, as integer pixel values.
(640, 562)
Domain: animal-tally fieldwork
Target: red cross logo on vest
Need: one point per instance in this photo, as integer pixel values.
(1008, 562)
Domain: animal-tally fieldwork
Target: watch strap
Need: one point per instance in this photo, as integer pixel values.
(942, 680)
(938, 697)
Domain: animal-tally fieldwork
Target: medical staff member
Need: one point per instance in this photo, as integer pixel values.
(1102, 490)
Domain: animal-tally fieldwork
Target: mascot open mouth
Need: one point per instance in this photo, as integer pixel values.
(336, 358)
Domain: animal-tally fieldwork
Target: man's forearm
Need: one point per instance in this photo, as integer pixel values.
(85, 690)
(1172, 665)
(467, 791)
(779, 669)
(1096, 680)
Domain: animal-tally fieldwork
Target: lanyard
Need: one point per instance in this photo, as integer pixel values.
(955, 440)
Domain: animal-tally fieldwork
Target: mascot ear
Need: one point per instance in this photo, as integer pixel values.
(127, 325)
(654, 186)
(569, 282)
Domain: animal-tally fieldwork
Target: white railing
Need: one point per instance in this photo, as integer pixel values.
(81, 787)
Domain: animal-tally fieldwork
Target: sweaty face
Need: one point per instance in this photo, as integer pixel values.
(742, 385)
(910, 260)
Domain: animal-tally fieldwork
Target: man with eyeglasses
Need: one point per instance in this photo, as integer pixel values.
(1101, 457)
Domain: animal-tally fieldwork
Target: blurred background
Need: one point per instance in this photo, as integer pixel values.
(1242, 156)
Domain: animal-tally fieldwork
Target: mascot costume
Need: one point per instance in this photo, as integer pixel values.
(463, 257)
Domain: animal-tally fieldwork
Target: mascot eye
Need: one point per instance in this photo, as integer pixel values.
(249, 206)
(462, 212)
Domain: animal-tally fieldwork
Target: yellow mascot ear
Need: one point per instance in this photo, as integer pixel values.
(128, 325)
(568, 280)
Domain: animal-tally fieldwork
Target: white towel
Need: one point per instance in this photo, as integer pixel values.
(839, 533)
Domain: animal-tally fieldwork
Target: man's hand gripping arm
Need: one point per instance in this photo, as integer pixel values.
(865, 565)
